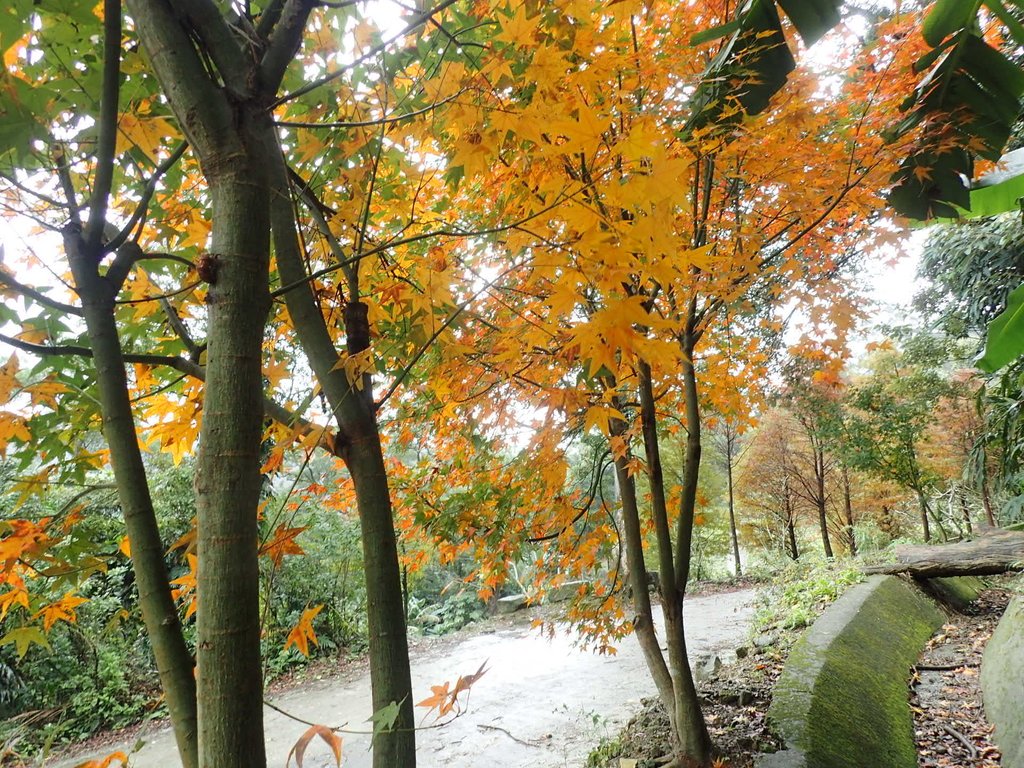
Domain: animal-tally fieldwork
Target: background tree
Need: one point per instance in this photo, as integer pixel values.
(890, 409)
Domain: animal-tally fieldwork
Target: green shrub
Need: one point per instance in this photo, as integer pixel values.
(800, 591)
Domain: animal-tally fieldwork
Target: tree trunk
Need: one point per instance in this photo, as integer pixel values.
(923, 506)
(732, 504)
(998, 552)
(965, 510)
(787, 503)
(819, 500)
(986, 499)
(160, 615)
(691, 729)
(851, 537)
(228, 479)
(359, 446)
(643, 620)
(219, 83)
(389, 659)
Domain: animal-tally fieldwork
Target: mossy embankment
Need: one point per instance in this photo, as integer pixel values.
(842, 699)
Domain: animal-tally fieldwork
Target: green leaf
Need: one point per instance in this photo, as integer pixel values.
(998, 191)
(1005, 342)
(23, 638)
(755, 63)
(715, 33)
(384, 719)
(812, 18)
(946, 17)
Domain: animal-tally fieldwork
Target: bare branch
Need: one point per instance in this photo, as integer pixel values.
(41, 298)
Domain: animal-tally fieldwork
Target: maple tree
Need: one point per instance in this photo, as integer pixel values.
(633, 223)
(218, 72)
(614, 315)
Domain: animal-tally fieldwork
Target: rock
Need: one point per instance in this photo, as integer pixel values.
(1002, 675)
(742, 652)
(746, 698)
(563, 591)
(707, 666)
(511, 604)
(766, 640)
(627, 762)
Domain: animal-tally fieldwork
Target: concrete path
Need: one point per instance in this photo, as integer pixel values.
(542, 703)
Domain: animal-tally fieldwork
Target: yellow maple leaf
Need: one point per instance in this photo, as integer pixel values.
(146, 133)
(16, 596)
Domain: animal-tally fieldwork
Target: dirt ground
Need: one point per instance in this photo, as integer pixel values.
(944, 691)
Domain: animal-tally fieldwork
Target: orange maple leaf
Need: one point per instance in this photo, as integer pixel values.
(282, 543)
(325, 733)
(187, 585)
(61, 610)
(105, 762)
(446, 699)
(440, 700)
(302, 633)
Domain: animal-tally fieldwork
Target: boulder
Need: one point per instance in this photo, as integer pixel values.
(1002, 681)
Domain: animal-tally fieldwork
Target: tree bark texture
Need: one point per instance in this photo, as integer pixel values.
(228, 480)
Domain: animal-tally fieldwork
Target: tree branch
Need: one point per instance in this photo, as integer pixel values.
(221, 44)
(41, 298)
(284, 42)
(106, 145)
(182, 74)
(414, 23)
(142, 208)
(174, 320)
(275, 410)
(371, 123)
(127, 255)
(67, 186)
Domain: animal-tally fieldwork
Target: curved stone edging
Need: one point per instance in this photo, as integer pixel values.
(1002, 683)
(841, 701)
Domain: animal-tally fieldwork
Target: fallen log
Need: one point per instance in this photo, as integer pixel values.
(995, 551)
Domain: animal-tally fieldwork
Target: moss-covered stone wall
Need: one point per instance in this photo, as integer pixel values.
(841, 701)
(1002, 683)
